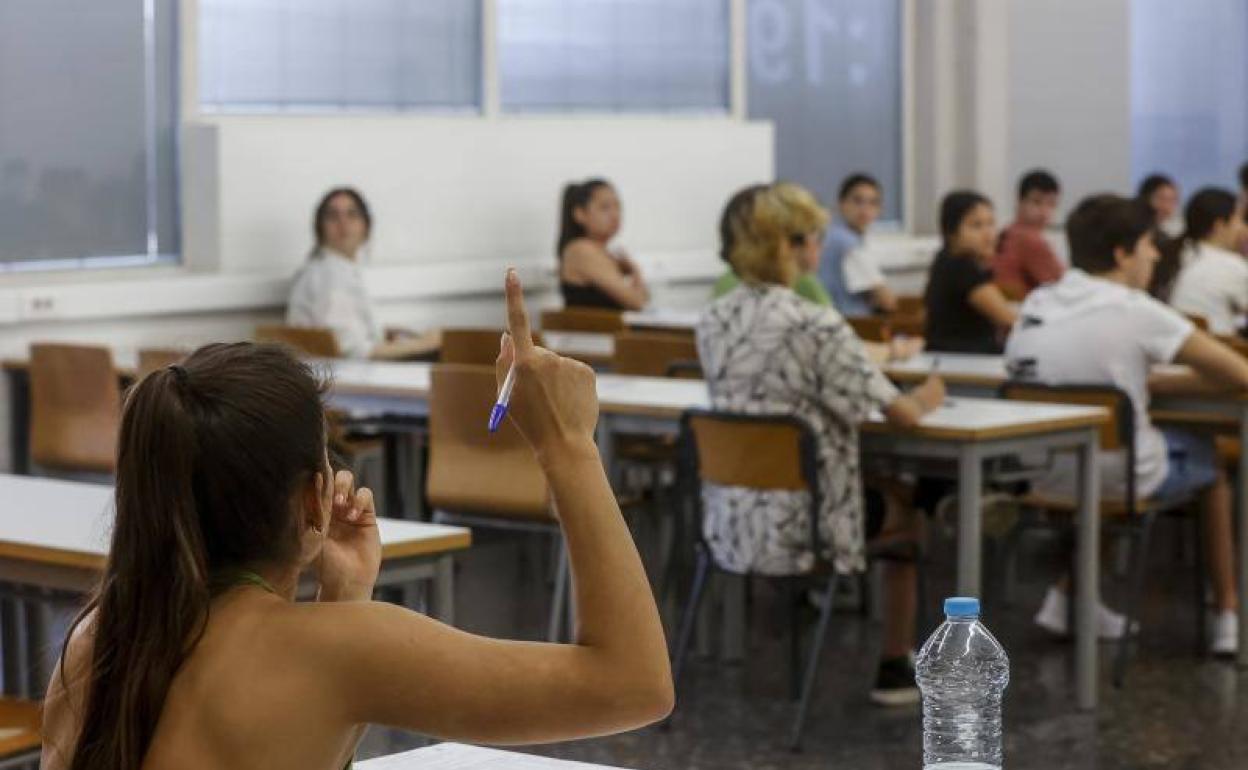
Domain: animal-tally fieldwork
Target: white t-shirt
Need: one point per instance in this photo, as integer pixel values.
(1084, 330)
(861, 268)
(329, 291)
(1213, 284)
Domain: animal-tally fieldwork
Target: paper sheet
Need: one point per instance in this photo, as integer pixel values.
(454, 756)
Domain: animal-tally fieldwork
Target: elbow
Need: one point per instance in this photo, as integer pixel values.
(904, 413)
(655, 701)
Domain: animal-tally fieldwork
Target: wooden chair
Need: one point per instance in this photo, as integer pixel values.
(1133, 516)
(473, 346)
(151, 359)
(906, 325)
(651, 355)
(911, 305)
(870, 328)
(75, 408)
(763, 452)
(487, 480)
(583, 320)
(20, 738)
(314, 341)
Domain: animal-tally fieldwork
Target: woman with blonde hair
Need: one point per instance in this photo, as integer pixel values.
(765, 350)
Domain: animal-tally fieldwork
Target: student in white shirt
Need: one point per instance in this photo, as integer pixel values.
(329, 289)
(1097, 325)
(1213, 283)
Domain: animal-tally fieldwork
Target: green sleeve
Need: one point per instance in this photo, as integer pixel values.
(726, 283)
(809, 289)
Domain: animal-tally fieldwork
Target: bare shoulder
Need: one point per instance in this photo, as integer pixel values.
(65, 701)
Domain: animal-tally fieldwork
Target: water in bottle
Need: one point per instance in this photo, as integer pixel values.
(962, 672)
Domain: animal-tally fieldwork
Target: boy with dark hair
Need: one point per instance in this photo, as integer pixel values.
(1097, 325)
(847, 269)
(1024, 258)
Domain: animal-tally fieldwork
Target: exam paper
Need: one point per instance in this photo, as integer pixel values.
(455, 756)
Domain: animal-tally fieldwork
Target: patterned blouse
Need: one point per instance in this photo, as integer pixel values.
(765, 350)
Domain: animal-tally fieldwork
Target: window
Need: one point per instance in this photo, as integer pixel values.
(614, 55)
(827, 73)
(1189, 91)
(333, 55)
(87, 133)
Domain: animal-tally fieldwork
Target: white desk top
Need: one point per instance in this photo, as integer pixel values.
(574, 344)
(951, 366)
(72, 521)
(660, 318)
(455, 756)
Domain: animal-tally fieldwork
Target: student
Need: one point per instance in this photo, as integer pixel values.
(848, 270)
(1213, 282)
(1024, 258)
(329, 289)
(193, 645)
(766, 350)
(966, 311)
(1096, 325)
(590, 275)
(739, 209)
(1161, 194)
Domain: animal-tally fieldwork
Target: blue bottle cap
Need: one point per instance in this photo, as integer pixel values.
(962, 607)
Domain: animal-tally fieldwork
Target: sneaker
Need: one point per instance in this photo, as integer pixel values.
(894, 684)
(1054, 617)
(1224, 633)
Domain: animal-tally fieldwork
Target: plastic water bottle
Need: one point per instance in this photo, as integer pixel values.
(962, 672)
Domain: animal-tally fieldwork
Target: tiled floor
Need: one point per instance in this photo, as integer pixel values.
(1178, 711)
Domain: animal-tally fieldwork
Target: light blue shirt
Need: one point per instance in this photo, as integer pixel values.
(838, 244)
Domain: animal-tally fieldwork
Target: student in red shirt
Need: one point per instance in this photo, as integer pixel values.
(1025, 260)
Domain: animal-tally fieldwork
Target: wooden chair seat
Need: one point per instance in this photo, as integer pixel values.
(577, 319)
(473, 346)
(308, 340)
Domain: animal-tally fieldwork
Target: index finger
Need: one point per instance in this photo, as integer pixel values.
(517, 316)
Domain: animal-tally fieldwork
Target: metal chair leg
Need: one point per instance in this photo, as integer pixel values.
(690, 616)
(795, 639)
(812, 664)
(1135, 592)
(560, 597)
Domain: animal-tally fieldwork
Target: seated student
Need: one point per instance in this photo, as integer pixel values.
(1160, 194)
(590, 275)
(847, 269)
(329, 289)
(764, 349)
(1213, 282)
(738, 209)
(966, 311)
(1024, 258)
(1243, 202)
(194, 652)
(1096, 325)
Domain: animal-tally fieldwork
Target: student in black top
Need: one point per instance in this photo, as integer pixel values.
(590, 275)
(966, 311)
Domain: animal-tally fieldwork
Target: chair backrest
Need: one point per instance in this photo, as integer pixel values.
(911, 305)
(471, 470)
(906, 325)
(473, 346)
(583, 320)
(1118, 433)
(20, 722)
(314, 341)
(685, 370)
(151, 359)
(75, 408)
(870, 328)
(773, 452)
(651, 355)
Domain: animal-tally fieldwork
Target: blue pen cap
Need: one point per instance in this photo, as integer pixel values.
(962, 607)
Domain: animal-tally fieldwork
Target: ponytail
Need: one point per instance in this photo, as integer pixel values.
(209, 455)
(575, 196)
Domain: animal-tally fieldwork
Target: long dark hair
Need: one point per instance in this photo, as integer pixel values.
(954, 208)
(209, 457)
(322, 210)
(576, 195)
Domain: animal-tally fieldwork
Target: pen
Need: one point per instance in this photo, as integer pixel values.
(504, 399)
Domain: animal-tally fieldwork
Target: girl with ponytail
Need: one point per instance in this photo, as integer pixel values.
(1213, 281)
(590, 275)
(192, 652)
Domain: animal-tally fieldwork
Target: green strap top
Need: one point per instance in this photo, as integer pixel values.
(244, 577)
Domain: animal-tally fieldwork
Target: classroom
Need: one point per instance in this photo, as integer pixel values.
(623, 384)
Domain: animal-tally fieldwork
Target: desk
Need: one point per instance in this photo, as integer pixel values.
(1226, 412)
(455, 756)
(663, 320)
(594, 348)
(969, 431)
(55, 538)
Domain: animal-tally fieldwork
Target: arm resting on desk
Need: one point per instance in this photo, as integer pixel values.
(1216, 368)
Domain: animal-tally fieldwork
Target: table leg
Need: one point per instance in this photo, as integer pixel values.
(19, 421)
(444, 589)
(734, 618)
(1241, 516)
(1087, 573)
(970, 520)
(37, 621)
(11, 641)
